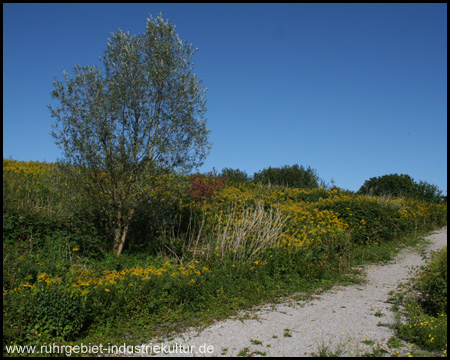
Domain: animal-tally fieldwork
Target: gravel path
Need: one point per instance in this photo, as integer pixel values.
(346, 315)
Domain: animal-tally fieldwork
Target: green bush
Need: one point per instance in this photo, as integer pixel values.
(60, 314)
(45, 313)
(235, 176)
(369, 220)
(432, 283)
(294, 176)
(401, 186)
(429, 192)
(427, 313)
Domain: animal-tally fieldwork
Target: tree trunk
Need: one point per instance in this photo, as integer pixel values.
(120, 234)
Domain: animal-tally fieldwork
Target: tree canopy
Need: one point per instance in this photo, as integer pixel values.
(401, 186)
(235, 176)
(142, 111)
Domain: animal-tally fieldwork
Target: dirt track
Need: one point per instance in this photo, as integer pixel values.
(347, 315)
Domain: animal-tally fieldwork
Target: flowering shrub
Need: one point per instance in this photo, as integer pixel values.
(427, 320)
(214, 241)
(432, 284)
(27, 184)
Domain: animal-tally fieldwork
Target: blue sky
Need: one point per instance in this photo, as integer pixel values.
(351, 90)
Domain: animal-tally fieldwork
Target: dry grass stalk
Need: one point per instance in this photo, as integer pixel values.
(248, 234)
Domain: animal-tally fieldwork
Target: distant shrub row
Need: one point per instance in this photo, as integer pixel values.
(296, 176)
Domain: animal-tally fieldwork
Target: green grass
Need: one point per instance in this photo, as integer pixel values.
(255, 342)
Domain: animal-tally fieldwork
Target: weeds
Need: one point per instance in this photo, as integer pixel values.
(425, 307)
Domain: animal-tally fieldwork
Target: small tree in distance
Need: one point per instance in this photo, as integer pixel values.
(117, 127)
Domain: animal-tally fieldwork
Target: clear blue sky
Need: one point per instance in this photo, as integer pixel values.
(352, 90)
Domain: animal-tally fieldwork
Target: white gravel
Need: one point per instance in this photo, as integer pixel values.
(344, 315)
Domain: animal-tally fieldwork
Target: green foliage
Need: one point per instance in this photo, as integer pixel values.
(427, 331)
(393, 184)
(44, 314)
(429, 192)
(427, 313)
(294, 176)
(235, 176)
(160, 216)
(401, 186)
(59, 314)
(119, 127)
(369, 221)
(432, 283)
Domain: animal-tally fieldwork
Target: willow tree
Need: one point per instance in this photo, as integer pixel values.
(142, 110)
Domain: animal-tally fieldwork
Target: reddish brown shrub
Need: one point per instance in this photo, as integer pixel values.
(205, 186)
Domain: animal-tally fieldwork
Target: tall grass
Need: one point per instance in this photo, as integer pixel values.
(244, 234)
